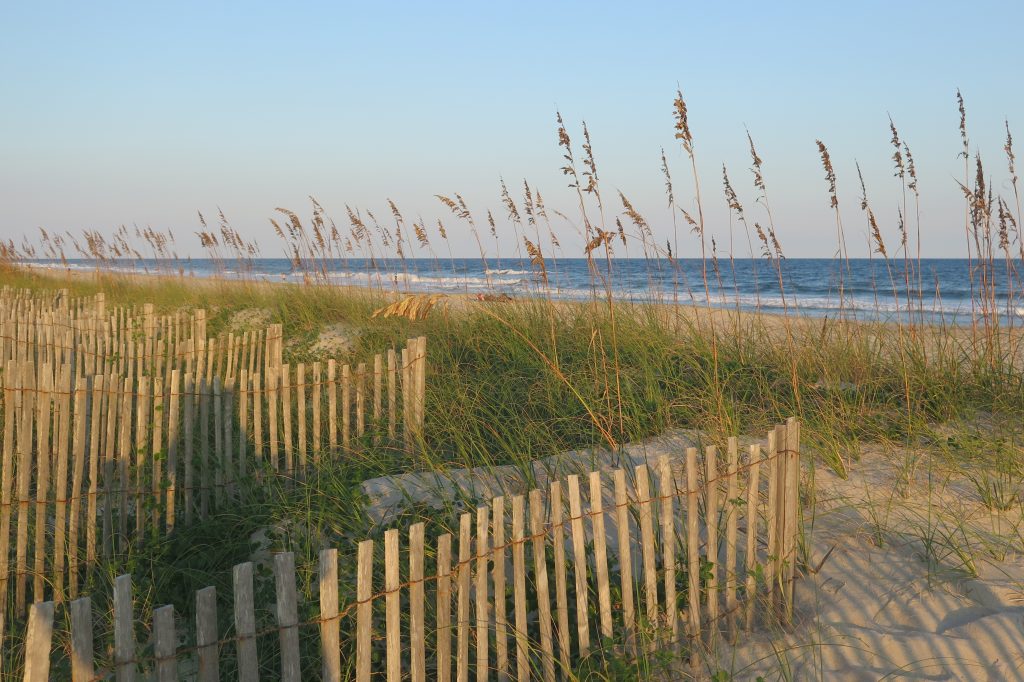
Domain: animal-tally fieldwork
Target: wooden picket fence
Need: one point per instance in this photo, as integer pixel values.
(631, 561)
(118, 426)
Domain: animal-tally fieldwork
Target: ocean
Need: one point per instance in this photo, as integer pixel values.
(940, 291)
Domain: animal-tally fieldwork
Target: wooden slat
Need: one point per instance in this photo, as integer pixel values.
(244, 394)
(462, 623)
(360, 380)
(61, 489)
(392, 393)
(172, 451)
(286, 418)
(711, 519)
(300, 414)
(482, 611)
(346, 406)
(208, 649)
(364, 610)
(273, 381)
(625, 556)
(82, 666)
(44, 454)
(165, 644)
(257, 422)
(124, 630)
(519, 587)
(317, 435)
(646, 504)
(188, 433)
(417, 631)
(540, 581)
(753, 495)
(219, 458)
(245, 623)
(227, 438)
(205, 464)
(37, 642)
(378, 380)
(332, 406)
(287, 616)
(393, 605)
(330, 629)
(579, 548)
(143, 420)
(667, 491)
(597, 522)
(792, 512)
(498, 563)
(731, 530)
(771, 516)
(444, 608)
(96, 419)
(12, 381)
(561, 576)
(158, 453)
(693, 541)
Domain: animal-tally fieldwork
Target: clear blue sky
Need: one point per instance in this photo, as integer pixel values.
(147, 112)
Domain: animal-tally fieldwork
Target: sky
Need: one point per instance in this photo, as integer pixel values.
(147, 113)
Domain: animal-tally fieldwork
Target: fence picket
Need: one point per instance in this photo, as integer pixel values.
(392, 605)
(329, 626)
(498, 562)
(625, 555)
(124, 630)
(693, 542)
(37, 642)
(482, 593)
(287, 616)
(540, 579)
(364, 610)
(519, 587)
(82, 665)
(417, 634)
(208, 649)
(462, 604)
(165, 644)
(245, 623)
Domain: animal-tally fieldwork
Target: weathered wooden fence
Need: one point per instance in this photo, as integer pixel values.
(117, 426)
(660, 556)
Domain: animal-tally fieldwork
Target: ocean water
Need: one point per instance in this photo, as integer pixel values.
(941, 290)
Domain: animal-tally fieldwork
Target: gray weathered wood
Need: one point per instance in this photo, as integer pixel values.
(208, 649)
(37, 642)
(165, 644)
(330, 651)
(245, 623)
(392, 605)
(125, 665)
(364, 610)
(287, 616)
(82, 656)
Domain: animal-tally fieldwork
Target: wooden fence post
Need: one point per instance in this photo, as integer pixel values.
(540, 579)
(364, 610)
(329, 625)
(417, 630)
(287, 616)
(82, 666)
(38, 641)
(165, 644)
(245, 623)
(206, 635)
(124, 630)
